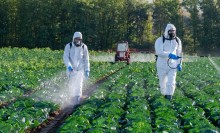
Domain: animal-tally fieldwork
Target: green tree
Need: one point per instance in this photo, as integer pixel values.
(217, 24)
(209, 36)
(3, 22)
(12, 25)
(167, 11)
(138, 23)
(148, 37)
(193, 25)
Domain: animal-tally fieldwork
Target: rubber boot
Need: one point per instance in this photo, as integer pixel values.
(77, 100)
(169, 97)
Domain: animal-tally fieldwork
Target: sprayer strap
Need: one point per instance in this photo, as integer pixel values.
(71, 45)
(177, 39)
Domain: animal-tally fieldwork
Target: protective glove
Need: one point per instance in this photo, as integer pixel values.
(87, 74)
(179, 67)
(173, 56)
(70, 68)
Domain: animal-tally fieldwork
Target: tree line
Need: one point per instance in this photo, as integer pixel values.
(51, 23)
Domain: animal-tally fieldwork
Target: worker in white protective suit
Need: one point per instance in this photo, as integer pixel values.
(168, 49)
(76, 59)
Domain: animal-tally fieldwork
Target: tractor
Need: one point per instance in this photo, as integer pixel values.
(122, 52)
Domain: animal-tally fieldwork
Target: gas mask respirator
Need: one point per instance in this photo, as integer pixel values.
(172, 34)
(77, 42)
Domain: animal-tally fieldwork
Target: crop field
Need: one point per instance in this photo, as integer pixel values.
(126, 98)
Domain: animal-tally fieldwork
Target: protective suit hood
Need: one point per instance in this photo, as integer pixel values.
(77, 35)
(78, 42)
(169, 27)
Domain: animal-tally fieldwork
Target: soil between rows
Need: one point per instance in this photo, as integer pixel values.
(57, 118)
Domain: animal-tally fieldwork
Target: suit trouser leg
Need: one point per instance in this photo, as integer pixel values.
(75, 86)
(171, 84)
(162, 75)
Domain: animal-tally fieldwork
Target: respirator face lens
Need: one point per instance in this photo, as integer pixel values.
(78, 39)
(171, 31)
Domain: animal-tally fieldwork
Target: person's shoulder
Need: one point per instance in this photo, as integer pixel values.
(84, 45)
(178, 39)
(159, 39)
(69, 43)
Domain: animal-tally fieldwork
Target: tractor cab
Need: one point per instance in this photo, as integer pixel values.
(122, 52)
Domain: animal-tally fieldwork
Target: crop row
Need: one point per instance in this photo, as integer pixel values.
(182, 113)
(129, 100)
(142, 108)
(23, 114)
(179, 115)
(22, 70)
(215, 60)
(14, 119)
(36, 69)
(31, 73)
(119, 108)
(204, 91)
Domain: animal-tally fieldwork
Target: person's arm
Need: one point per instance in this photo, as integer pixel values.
(66, 55)
(159, 48)
(86, 58)
(179, 50)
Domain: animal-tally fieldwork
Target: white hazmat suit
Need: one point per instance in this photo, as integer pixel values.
(167, 75)
(77, 58)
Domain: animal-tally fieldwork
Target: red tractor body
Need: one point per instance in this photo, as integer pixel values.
(122, 52)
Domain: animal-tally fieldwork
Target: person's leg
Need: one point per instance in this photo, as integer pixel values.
(77, 100)
(78, 87)
(73, 85)
(162, 75)
(171, 84)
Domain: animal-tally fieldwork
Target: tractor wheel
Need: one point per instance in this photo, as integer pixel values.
(116, 58)
(128, 61)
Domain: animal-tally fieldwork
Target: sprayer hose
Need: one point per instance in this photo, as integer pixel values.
(176, 66)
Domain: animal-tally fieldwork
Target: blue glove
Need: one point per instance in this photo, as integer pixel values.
(87, 74)
(179, 67)
(173, 56)
(70, 68)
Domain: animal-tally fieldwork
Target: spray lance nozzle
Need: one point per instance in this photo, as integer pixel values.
(175, 58)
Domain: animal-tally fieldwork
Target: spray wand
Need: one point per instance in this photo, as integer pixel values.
(179, 58)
